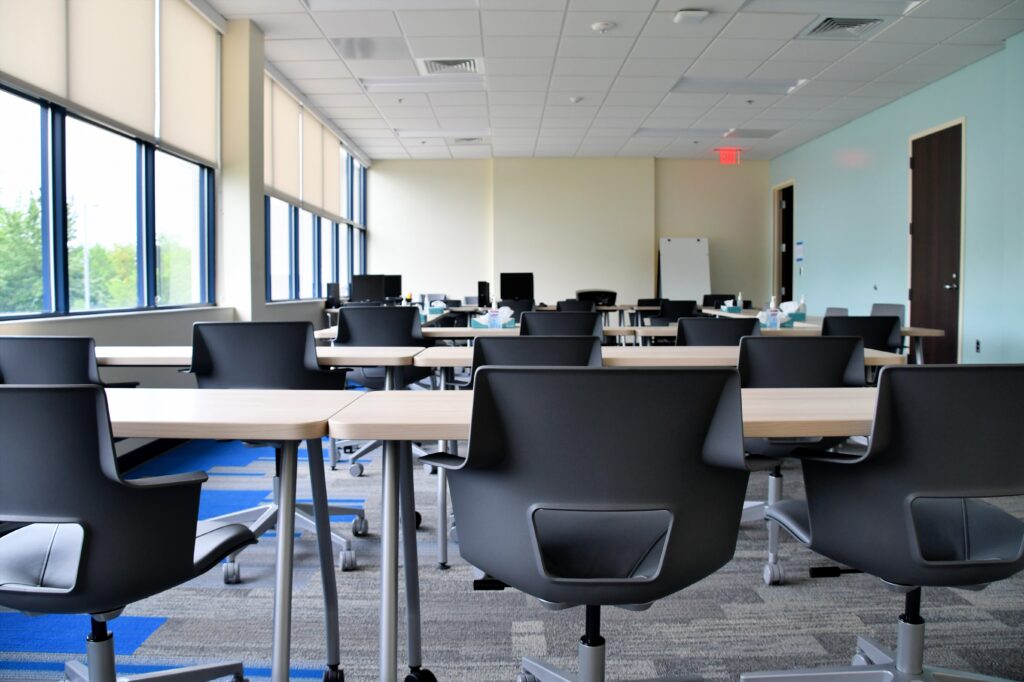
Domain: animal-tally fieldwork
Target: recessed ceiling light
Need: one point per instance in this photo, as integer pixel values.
(602, 27)
(438, 83)
(738, 86)
(690, 16)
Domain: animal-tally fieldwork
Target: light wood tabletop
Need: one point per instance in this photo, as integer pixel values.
(767, 413)
(327, 356)
(669, 331)
(224, 414)
(642, 356)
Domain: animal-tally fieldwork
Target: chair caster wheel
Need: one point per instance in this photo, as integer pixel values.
(420, 675)
(419, 520)
(429, 468)
(334, 675)
(860, 659)
(355, 470)
(526, 677)
(774, 574)
(232, 573)
(453, 534)
(360, 526)
(347, 559)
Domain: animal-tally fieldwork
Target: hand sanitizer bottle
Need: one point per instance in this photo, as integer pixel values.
(773, 314)
(739, 301)
(803, 305)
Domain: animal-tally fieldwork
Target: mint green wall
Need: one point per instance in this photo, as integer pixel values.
(851, 200)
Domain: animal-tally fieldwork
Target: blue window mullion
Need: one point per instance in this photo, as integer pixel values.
(146, 263)
(59, 216)
(335, 260)
(207, 281)
(46, 242)
(318, 286)
(293, 253)
(266, 244)
(350, 255)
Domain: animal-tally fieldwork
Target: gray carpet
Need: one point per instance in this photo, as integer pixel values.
(727, 624)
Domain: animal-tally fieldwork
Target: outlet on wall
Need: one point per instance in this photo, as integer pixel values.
(977, 345)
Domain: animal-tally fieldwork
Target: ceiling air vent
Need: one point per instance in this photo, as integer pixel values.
(447, 66)
(466, 140)
(838, 27)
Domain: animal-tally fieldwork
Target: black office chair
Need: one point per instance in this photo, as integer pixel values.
(836, 312)
(575, 305)
(518, 306)
(644, 316)
(716, 300)
(272, 355)
(561, 324)
(89, 541)
(536, 506)
(52, 360)
(715, 331)
(394, 326)
(911, 511)
(793, 362)
(879, 333)
(671, 311)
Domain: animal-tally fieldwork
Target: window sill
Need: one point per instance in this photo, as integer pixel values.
(167, 310)
(303, 301)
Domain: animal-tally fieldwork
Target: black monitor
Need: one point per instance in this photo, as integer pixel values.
(517, 286)
(483, 293)
(333, 295)
(392, 286)
(367, 288)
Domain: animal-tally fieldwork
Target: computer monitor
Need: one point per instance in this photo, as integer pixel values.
(367, 288)
(392, 286)
(333, 295)
(517, 285)
(483, 293)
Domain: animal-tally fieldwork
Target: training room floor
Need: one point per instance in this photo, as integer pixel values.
(724, 625)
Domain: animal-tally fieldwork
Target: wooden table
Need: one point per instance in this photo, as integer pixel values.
(402, 416)
(327, 356)
(283, 416)
(642, 356)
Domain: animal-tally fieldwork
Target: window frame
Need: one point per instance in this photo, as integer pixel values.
(54, 218)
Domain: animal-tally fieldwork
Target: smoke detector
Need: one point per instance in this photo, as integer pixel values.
(690, 16)
(602, 27)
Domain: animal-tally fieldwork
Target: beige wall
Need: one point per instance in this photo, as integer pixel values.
(431, 223)
(731, 205)
(576, 223)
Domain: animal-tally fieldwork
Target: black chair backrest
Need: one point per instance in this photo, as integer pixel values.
(279, 355)
(910, 512)
(801, 362)
(897, 309)
(561, 324)
(671, 311)
(135, 542)
(518, 306)
(647, 303)
(717, 300)
(542, 489)
(48, 360)
(879, 333)
(836, 312)
(395, 326)
(537, 351)
(576, 305)
(715, 331)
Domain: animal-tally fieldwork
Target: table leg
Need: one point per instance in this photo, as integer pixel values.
(281, 656)
(389, 563)
(325, 548)
(918, 342)
(622, 318)
(410, 560)
(442, 489)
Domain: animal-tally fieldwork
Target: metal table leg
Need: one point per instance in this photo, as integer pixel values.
(389, 564)
(325, 548)
(407, 514)
(281, 656)
(442, 489)
(918, 342)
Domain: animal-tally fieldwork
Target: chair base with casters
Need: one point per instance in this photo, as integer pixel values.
(263, 518)
(99, 650)
(872, 662)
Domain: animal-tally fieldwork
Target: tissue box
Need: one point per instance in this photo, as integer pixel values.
(435, 311)
(798, 317)
(480, 325)
(732, 309)
(785, 325)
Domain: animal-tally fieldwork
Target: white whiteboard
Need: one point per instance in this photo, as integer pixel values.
(684, 268)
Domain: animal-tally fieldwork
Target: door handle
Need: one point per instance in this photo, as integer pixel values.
(950, 286)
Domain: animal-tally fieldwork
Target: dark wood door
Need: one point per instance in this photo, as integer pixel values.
(935, 240)
(786, 243)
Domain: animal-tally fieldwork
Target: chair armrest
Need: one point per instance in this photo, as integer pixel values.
(170, 481)
(444, 461)
(120, 384)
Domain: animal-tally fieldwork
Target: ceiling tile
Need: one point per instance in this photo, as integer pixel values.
(692, 99)
(801, 101)
(411, 99)
(974, 9)
(576, 111)
(357, 123)
(644, 83)
(919, 73)
(577, 66)
(514, 123)
(446, 48)
(378, 68)
(521, 46)
(425, 123)
(343, 100)
(372, 48)
(298, 50)
(758, 101)
(458, 99)
(363, 133)
(741, 48)
(244, 8)
(403, 111)
(787, 114)
(808, 50)
(837, 115)
(885, 89)
(633, 98)
(541, 5)
(669, 48)
(623, 111)
(327, 68)
(513, 111)
(294, 25)
(458, 123)
(566, 123)
(661, 25)
(594, 46)
(848, 71)
(627, 24)
(521, 66)
(707, 68)
(655, 67)
(461, 111)
(470, 151)
(516, 83)
(821, 87)
(343, 113)
(582, 83)
(779, 70)
(912, 30)
(358, 24)
(955, 54)
(885, 53)
(612, 5)
(440, 23)
(326, 86)
(989, 32)
(860, 104)
(766, 25)
(521, 97)
(1015, 10)
(522, 23)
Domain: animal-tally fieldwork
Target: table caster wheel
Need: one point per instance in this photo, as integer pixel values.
(232, 573)
(355, 470)
(334, 675)
(347, 559)
(860, 659)
(773, 574)
(420, 675)
(526, 677)
(429, 468)
(360, 526)
(419, 520)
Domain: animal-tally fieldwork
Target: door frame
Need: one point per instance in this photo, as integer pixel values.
(962, 122)
(777, 237)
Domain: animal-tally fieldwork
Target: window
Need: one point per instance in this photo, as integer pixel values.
(358, 193)
(24, 261)
(328, 254)
(307, 267)
(279, 249)
(183, 192)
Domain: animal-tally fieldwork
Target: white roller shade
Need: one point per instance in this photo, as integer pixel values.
(332, 174)
(285, 132)
(32, 45)
(312, 161)
(268, 136)
(188, 80)
(111, 59)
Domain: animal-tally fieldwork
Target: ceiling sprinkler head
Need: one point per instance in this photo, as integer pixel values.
(575, 99)
(602, 27)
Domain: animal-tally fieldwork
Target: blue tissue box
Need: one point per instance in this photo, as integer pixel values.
(798, 317)
(732, 309)
(435, 311)
(785, 325)
(479, 325)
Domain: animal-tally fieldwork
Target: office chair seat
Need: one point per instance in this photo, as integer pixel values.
(216, 540)
(41, 557)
